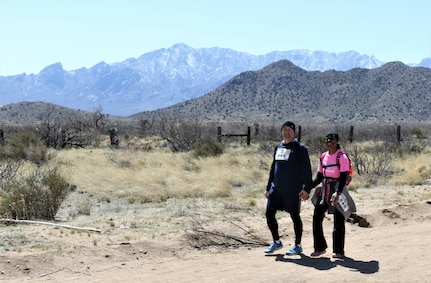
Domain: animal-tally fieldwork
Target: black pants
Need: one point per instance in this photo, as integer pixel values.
(273, 225)
(338, 233)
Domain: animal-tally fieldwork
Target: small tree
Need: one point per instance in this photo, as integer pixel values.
(75, 130)
(182, 134)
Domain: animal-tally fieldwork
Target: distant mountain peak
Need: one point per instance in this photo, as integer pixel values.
(161, 78)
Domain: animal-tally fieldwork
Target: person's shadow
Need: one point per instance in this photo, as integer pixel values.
(324, 263)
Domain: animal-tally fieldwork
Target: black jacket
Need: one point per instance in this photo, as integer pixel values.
(290, 173)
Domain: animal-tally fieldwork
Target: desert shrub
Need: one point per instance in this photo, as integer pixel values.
(415, 131)
(207, 148)
(415, 148)
(25, 145)
(182, 134)
(37, 195)
(373, 160)
(8, 170)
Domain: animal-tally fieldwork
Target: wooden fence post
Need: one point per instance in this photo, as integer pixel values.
(399, 139)
(248, 135)
(219, 134)
(351, 134)
(299, 133)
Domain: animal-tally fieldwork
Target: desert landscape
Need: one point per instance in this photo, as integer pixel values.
(137, 138)
(165, 217)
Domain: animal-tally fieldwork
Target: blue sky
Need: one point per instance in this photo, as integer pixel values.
(82, 33)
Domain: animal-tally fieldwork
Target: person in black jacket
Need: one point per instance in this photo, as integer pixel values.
(290, 181)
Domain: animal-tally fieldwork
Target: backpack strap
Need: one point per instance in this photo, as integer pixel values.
(330, 165)
(339, 154)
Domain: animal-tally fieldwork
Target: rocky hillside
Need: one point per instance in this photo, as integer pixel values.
(392, 93)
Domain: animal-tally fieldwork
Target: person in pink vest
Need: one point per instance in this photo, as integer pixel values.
(333, 170)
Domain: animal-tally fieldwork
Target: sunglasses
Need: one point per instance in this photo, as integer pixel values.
(329, 139)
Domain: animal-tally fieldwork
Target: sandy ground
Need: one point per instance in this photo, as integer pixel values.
(395, 248)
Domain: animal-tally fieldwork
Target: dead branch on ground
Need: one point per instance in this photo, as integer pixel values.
(8, 221)
(202, 238)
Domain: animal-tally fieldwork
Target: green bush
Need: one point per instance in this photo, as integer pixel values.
(207, 148)
(27, 146)
(37, 196)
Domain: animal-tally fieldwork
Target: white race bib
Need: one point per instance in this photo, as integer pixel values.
(282, 154)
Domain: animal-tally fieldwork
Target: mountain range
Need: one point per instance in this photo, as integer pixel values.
(165, 77)
(393, 93)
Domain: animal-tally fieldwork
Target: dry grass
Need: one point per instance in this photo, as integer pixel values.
(240, 174)
(133, 194)
(152, 176)
(413, 170)
(155, 192)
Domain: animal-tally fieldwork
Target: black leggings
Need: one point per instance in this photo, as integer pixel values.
(273, 225)
(338, 232)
